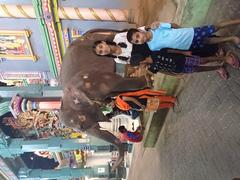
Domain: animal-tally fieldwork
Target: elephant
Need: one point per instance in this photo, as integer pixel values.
(86, 79)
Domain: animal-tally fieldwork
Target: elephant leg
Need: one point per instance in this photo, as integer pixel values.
(109, 137)
(130, 84)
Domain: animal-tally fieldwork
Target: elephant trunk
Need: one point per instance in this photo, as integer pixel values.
(109, 137)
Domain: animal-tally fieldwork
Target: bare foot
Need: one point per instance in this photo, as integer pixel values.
(232, 59)
(236, 41)
(223, 73)
(220, 52)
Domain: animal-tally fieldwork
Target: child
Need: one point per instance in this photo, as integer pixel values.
(130, 136)
(168, 35)
(121, 52)
(144, 100)
(173, 64)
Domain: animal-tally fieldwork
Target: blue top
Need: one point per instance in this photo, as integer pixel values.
(166, 37)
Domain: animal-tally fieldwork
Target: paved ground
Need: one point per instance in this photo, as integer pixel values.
(202, 142)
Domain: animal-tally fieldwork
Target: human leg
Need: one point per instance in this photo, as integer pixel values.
(205, 60)
(220, 70)
(216, 40)
(206, 68)
(230, 59)
(167, 99)
(165, 105)
(224, 24)
(201, 33)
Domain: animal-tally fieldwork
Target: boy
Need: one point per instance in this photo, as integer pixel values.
(169, 35)
(131, 136)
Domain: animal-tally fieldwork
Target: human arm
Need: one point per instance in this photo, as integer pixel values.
(157, 24)
(152, 71)
(186, 53)
(139, 129)
(175, 26)
(134, 100)
(167, 73)
(117, 60)
(147, 60)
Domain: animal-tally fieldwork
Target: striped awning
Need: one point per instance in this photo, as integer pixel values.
(4, 107)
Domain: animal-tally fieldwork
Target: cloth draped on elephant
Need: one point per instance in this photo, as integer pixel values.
(153, 100)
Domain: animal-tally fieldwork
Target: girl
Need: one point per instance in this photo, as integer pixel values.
(173, 64)
(121, 52)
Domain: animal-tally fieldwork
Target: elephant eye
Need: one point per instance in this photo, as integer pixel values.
(82, 118)
(82, 126)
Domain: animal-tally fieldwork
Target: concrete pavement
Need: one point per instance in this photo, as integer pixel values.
(202, 142)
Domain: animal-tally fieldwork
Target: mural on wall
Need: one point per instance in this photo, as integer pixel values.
(70, 35)
(15, 45)
(23, 78)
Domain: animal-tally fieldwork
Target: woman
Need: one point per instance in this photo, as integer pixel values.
(144, 100)
(173, 64)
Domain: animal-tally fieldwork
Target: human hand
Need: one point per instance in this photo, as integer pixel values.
(188, 53)
(155, 25)
(143, 107)
(149, 80)
(118, 141)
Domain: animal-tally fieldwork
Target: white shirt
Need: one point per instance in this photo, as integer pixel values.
(126, 52)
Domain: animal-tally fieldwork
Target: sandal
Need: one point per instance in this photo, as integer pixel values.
(234, 62)
(223, 73)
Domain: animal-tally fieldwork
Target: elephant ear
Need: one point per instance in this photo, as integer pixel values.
(76, 98)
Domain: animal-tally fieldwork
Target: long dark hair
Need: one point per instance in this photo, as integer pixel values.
(111, 43)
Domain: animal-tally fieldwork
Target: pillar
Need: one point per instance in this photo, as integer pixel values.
(64, 173)
(96, 14)
(4, 107)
